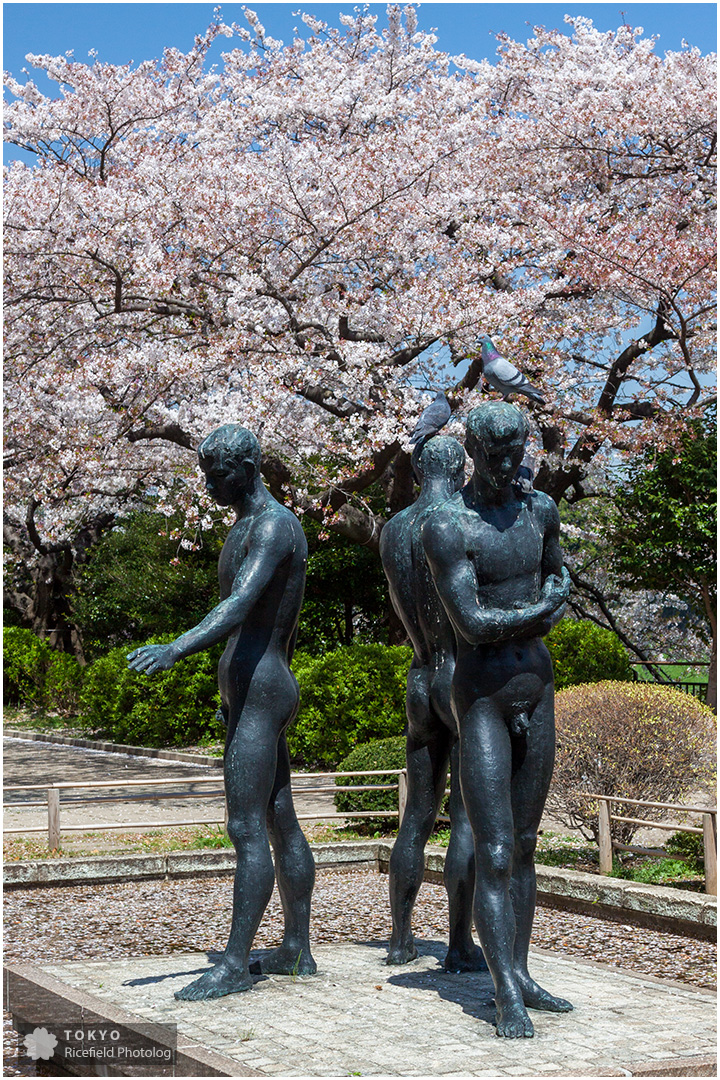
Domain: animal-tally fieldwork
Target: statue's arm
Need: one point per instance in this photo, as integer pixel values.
(456, 582)
(270, 543)
(555, 576)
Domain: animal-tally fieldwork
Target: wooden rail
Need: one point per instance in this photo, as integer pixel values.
(53, 792)
(607, 845)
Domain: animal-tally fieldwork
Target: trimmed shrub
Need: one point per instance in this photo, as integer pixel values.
(377, 754)
(63, 684)
(583, 652)
(36, 675)
(633, 740)
(348, 697)
(26, 659)
(170, 708)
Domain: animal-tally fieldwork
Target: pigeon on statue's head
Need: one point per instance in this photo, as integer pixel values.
(525, 474)
(432, 419)
(504, 376)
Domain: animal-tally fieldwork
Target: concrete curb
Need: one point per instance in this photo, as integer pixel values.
(34, 997)
(117, 748)
(653, 906)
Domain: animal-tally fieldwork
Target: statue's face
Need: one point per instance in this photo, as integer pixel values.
(497, 461)
(227, 480)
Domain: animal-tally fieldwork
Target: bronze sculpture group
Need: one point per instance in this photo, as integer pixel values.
(476, 576)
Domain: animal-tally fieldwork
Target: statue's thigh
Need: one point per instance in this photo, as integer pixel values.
(533, 760)
(486, 770)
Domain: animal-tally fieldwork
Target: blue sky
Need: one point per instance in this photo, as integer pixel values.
(133, 32)
(123, 32)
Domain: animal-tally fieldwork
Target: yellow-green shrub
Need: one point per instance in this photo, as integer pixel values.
(634, 740)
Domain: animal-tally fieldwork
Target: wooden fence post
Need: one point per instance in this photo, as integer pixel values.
(604, 838)
(710, 846)
(53, 798)
(402, 795)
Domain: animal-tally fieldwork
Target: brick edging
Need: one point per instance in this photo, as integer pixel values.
(116, 748)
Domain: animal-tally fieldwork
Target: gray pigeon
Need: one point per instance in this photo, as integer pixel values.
(504, 376)
(525, 474)
(432, 419)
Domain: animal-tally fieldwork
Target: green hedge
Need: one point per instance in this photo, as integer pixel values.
(377, 754)
(171, 708)
(347, 697)
(37, 675)
(583, 652)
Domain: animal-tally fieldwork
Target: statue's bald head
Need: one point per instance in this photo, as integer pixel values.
(492, 422)
(441, 456)
(230, 445)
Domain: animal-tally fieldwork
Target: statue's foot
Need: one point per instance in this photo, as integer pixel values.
(219, 981)
(401, 952)
(536, 998)
(285, 961)
(513, 1021)
(468, 958)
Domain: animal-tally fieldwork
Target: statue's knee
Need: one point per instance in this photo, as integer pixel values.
(525, 844)
(241, 829)
(496, 859)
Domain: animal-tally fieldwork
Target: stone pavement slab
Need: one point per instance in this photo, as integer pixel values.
(358, 1016)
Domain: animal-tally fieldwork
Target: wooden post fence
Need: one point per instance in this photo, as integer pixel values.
(402, 794)
(710, 847)
(53, 800)
(607, 845)
(604, 838)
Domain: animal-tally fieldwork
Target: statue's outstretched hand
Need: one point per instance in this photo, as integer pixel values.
(151, 658)
(556, 589)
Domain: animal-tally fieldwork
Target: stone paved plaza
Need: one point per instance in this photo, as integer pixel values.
(357, 1016)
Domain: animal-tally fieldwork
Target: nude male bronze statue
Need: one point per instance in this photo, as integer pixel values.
(439, 463)
(495, 559)
(262, 572)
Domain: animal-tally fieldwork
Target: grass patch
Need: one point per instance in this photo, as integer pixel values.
(647, 871)
(676, 672)
(156, 842)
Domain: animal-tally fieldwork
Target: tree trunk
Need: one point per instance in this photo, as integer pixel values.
(40, 588)
(709, 602)
(711, 698)
(348, 635)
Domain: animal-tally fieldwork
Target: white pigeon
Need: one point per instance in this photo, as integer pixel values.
(504, 376)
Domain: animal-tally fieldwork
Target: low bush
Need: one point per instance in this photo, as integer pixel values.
(691, 846)
(347, 697)
(632, 740)
(583, 652)
(171, 708)
(37, 675)
(376, 754)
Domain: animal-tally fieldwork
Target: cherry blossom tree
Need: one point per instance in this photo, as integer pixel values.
(299, 239)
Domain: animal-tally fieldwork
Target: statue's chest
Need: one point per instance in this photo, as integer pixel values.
(234, 552)
(507, 548)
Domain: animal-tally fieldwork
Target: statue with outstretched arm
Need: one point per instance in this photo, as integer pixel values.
(262, 572)
(439, 463)
(495, 558)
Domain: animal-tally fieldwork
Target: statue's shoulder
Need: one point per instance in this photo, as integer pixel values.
(278, 525)
(544, 506)
(445, 519)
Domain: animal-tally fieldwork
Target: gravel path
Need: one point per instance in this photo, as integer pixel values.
(27, 762)
(135, 919)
